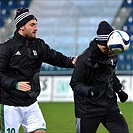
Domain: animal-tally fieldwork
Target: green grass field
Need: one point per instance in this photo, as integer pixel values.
(60, 117)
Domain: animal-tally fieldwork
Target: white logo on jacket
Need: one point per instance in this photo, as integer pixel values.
(34, 52)
(112, 62)
(96, 65)
(18, 53)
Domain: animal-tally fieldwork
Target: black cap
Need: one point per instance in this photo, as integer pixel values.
(104, 29)
(22, 17)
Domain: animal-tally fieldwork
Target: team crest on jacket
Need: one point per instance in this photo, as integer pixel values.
(34, 52)
(112, 62)
(18, 53)
(96, 65)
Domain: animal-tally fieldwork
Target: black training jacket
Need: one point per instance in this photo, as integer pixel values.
(21, 61)
(95, 69)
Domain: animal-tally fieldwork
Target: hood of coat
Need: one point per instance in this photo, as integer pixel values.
(97, 55)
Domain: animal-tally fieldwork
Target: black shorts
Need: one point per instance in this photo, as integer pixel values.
(114, 122)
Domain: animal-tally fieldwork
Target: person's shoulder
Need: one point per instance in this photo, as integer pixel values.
(112, 54)
(7, 42)
(40, 41)
(85, 58)
(85, 54)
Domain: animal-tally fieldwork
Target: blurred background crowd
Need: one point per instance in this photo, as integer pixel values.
(69, 25)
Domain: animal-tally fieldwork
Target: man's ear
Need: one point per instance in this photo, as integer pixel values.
(22, 28)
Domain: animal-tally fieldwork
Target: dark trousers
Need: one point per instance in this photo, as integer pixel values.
(114, 122)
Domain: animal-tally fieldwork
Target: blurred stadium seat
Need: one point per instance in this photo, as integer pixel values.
(125, 59)
(6, 6)
(128, 27)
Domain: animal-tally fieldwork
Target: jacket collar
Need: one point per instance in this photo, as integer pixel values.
(97, 55)
(96, 51)
(22, 38)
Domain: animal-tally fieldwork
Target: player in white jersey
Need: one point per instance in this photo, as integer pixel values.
(29, 117)
(21, 58)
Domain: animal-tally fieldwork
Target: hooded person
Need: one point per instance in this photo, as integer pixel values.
(94, 83)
